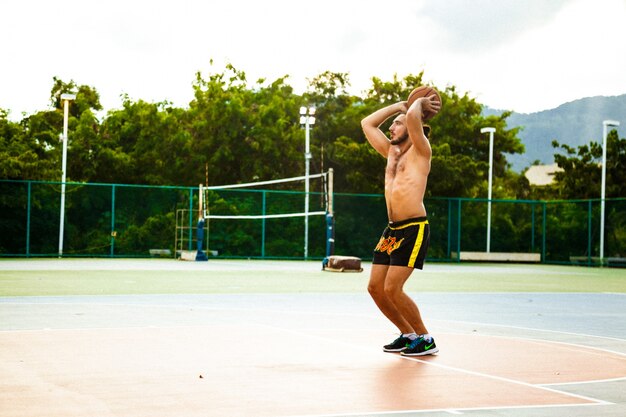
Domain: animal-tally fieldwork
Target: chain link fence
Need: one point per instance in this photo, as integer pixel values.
(120, 220)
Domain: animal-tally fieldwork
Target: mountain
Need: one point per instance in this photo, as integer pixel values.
(575, 123)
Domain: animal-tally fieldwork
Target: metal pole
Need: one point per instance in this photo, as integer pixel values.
(263, 224)
(458, 232)
(113, 233)
(307, 118)
(307, 157)
(66, 102)
(190, 234)
(491, 131)
(330, 220)
(605, 125)
(544, 227)
(331, 187)
(28, 220)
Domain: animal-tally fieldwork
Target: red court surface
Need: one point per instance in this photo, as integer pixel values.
(277, 371)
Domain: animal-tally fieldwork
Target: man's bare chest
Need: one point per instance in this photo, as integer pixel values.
(398, 166)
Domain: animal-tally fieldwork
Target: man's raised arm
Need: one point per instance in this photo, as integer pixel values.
(371, 126)
(415, 125)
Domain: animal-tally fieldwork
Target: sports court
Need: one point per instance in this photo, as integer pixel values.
(160, 337)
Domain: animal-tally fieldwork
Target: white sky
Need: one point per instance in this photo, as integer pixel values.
(522, 55)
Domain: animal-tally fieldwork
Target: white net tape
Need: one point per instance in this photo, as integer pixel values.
(254, 184)
(209, 216)
(265, 216)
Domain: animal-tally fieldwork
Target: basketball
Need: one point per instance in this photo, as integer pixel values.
(423, 91)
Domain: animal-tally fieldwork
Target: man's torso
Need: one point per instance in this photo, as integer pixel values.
(405, 184)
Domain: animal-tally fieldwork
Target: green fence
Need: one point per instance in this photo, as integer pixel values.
(118, 220)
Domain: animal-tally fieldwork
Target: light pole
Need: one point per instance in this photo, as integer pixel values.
(605, 132)
(66, 104)
(307, 119)
(491, 131)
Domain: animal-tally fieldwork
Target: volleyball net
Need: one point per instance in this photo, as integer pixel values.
(293, 214)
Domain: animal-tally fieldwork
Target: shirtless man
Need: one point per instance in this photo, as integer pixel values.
(404, 242)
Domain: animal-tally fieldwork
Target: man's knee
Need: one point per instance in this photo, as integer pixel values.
(376, 290)
(393, 289)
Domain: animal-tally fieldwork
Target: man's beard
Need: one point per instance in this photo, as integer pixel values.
(400, 139)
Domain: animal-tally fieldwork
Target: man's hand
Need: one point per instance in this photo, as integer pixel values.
(431, 104)
(426, 105)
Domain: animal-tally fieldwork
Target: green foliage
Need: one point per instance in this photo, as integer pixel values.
(582, 169)
(239, 134)
(138, 239)
(30, 151)
(143, 143)
(234, 131)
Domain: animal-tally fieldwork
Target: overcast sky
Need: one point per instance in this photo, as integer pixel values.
(522, 55)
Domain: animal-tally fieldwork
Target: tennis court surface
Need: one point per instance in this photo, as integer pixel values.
(277, 339)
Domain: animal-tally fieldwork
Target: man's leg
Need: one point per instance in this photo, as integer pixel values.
(376, 288)
(396, 276)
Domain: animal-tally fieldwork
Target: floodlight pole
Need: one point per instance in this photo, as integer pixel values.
(307, 119)
(491, 131)
(605, 132)
(66, 98)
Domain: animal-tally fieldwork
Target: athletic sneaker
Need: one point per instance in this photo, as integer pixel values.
(420, 347)
(398, 345)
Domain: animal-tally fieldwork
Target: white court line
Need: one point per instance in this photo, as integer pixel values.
(475, 323)
(601, 350)
(595, 401)
(503, 379)
(533, 339)
(595, 381)
(454, 411)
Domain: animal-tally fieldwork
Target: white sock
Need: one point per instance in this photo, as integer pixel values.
(427, 337)
(410, 336)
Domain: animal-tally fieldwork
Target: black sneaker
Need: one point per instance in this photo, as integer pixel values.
(420, 347)
(398, 345)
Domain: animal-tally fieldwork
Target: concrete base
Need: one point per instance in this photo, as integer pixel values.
(500, 256)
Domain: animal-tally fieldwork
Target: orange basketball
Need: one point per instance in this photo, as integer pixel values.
(423, 91)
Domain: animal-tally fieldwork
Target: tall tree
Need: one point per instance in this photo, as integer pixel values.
(144, 143)
(243, 134)
(23, 156)
(336, 140)
(460, 153)
(582, 170)
(32, 150)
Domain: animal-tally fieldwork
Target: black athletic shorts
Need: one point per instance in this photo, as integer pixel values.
(404, 243)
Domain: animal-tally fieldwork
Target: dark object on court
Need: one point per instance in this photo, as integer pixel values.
(337, 263)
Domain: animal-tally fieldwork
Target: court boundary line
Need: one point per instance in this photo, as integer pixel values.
(455, 411)
(616, 339)
(534, 339)
(509, 380)
(595, 381)
(592, 401)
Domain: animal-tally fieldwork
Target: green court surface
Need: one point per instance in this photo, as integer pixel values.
(45, 277)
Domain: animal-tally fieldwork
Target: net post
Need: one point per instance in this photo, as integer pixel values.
(330, 191)
(330, 221)
(200, 255)
(200, 202)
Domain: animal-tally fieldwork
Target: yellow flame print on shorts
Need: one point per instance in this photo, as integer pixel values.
(388, 244)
